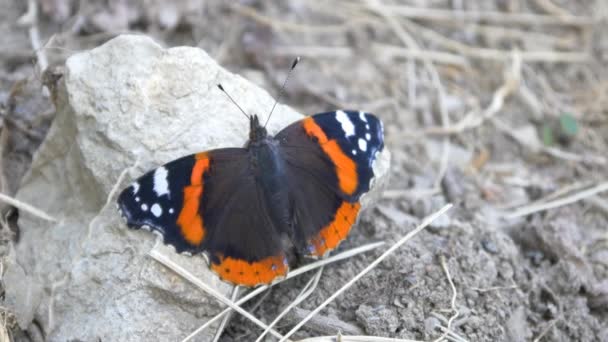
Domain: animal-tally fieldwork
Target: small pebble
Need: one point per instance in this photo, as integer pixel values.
(489, 246)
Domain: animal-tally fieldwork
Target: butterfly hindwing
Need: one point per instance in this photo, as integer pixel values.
(329, 158)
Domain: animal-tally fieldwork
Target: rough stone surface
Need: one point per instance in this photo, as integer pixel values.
(87, 277)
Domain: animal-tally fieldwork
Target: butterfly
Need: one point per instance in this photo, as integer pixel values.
(240, 205)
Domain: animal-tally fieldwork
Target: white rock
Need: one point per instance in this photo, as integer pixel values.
(90, 275)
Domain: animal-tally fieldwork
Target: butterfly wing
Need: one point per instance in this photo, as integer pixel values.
(329, 164)
(209, 202)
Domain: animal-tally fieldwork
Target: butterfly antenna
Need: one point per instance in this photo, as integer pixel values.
(231, 99)
(282, 91)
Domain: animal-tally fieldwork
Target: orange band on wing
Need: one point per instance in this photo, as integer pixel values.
(189, 219)
(346, 169)
(241, 272)
(331, 235)
(201, 165)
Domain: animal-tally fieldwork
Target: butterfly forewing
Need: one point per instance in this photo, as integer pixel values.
(209, 202)
(329, 161)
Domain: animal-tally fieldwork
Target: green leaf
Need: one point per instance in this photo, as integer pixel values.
(568, 124)
(547, 133)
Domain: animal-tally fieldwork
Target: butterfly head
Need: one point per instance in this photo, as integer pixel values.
(257, 132)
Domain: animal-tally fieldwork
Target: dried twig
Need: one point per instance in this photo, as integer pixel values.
(496, 33)
(287, 26)
(488, 16)
(393, 52)
(291, 274)
(472, 119)
(552, 151)
(27, 208)
(493, 54)
(451, 336)
(452, 302)
(30, 18)
(531, 209)
(546, 330)
(220, 329)
(314, 51)
(326, 325)
(494, 288)
(371, 266)
(410, 42)
(346, 338)
(552, 8)
(487, 54)
(209, 290)
(306, 292)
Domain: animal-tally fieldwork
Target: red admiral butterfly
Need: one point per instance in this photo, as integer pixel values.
(236, 205)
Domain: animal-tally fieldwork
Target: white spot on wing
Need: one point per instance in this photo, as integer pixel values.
(170, 210)
(368, 136)
(347, 125)
(363, 117)
(354, 152)
(161, 185)
(362, 145)
(136, 199)
(156, 210)
(367, 127)
(144, 207)
(135, 186)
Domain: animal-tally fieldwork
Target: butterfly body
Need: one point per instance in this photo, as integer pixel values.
(240, 205)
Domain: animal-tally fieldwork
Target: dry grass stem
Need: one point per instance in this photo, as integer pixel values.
(531, 209)
(484, 54)
(30, 18)
(552, 151)
(575, 157)
(552, 8)
(410, 194)
(306, 268)
(222, 327)
(452, 302)
(473, 119)
(322, 325)
(314, 51)
(488, 16)
(546, 330)
(28, 208)
(494, 54)
(208, 289)
(494, 33)
(395, 52)
(306, 292)
(409, 41)
(287, 26)
(451, 336)
(495, 288)
(346, 338)
(371, 266)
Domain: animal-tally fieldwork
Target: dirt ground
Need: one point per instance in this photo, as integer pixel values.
(500, 107)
